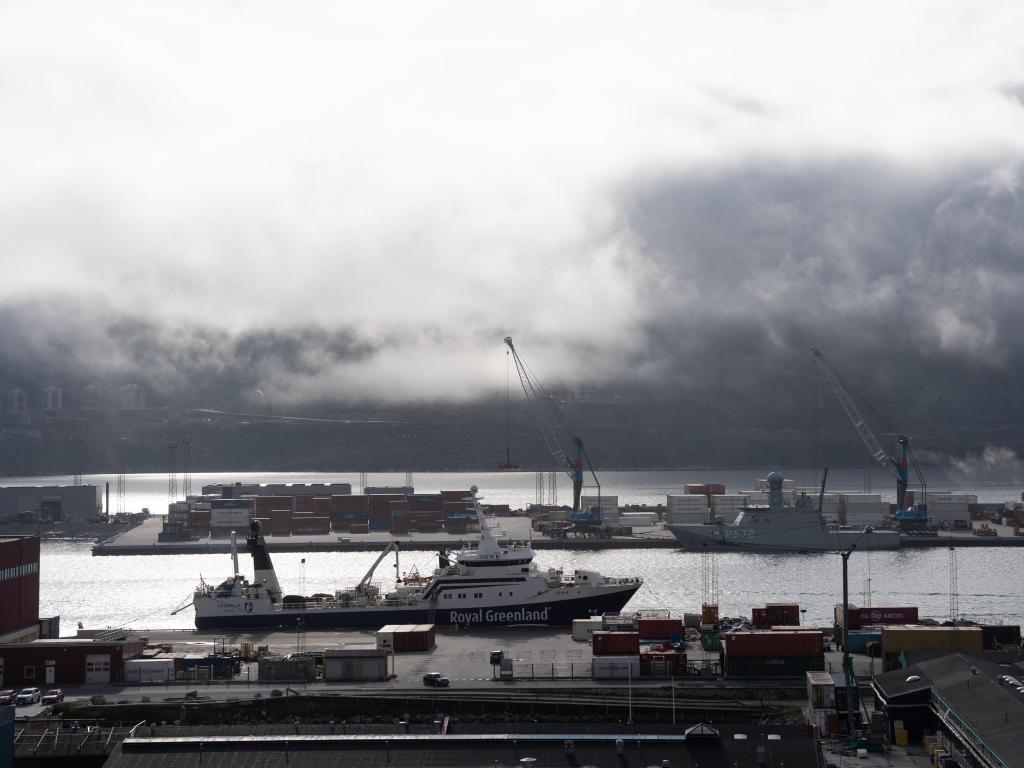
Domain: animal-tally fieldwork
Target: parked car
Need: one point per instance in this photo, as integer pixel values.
(436, 679)
(29, 696)
(52, 697)
(497, 656)
(8, 696)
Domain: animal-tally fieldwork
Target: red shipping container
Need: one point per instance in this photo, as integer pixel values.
(699, 488)
(360, 528)
(304, 503)
(709, 614)
(455, 496)
(322, 506)
(340, 524)
(759, 618)
(414, 637)
(659, 629)
(399, 505)
(383, 501)
(349, 503)
(616, 643)
(865, 617)
(716, 489)
(800, 643)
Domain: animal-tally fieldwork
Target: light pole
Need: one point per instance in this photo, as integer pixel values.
(847, 668)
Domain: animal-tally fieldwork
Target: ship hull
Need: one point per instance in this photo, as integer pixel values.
(789, 540)
(551, 612)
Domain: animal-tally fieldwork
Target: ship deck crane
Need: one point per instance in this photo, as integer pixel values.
(899, 466)
(551, 422)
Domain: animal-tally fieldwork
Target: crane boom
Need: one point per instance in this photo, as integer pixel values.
(550, 420)
(873, 446)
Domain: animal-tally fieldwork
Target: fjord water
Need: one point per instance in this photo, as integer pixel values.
(142, 591)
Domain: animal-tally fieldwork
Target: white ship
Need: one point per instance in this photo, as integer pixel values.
(781, 527)
(494, 584)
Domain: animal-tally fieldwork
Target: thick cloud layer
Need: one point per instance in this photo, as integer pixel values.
(338, 203)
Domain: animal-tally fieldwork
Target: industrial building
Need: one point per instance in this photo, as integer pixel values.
(19, 589)
(65, 661)
(958, 706)
(55, 502)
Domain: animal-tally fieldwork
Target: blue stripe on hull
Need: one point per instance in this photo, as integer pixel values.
(555, 613)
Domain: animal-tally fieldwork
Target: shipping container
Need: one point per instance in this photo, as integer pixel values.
(616, 667)
(708, 614)
(659, 629)
(772, 666)
(994, 636)
(905, 639)
(759, 618)
(310, 526)
(798, 643)
(350, 503)
(783, 613)
(584, 629)
(304, 503)
(662, 663)
(859, 638)
(821, 690)
(149, 670)
(616, 643)
(322, 506)
(875, 616)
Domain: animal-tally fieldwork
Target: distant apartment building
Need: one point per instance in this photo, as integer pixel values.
(17, 401)
(132, 396)
(90, 397)
(53, 398)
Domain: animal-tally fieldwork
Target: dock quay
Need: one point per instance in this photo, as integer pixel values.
(142, 540)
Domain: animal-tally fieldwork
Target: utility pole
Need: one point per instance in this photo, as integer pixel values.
(186, 466)
(76, 443)
(172, 472)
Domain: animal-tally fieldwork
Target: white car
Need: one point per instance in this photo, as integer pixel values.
(29, 696)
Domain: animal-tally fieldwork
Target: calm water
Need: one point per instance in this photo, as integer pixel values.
(143, 591)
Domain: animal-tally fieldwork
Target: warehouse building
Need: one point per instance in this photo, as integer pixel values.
(52, 502)
(19, 589)
(65, 661)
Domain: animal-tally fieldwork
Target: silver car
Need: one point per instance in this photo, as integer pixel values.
(29, 696)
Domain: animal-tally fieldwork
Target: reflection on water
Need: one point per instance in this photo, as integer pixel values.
(141, 591)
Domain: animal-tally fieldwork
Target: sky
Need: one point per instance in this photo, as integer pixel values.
(353, 201)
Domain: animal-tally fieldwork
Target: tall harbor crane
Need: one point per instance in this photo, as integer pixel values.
(899, 466)
(553, 424)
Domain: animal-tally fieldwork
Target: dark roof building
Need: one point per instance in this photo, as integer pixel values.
(702, 745)
(970, 703)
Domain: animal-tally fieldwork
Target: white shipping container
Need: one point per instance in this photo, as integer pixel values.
(148, 670)
(862, 498)
(687, 500)
(947, 511)
(640, 519)
(583, 629)
(728, 500)
(616, 667)
(679, 517)
(787, 485)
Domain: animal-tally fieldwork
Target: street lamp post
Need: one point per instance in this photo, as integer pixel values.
(847, 668)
